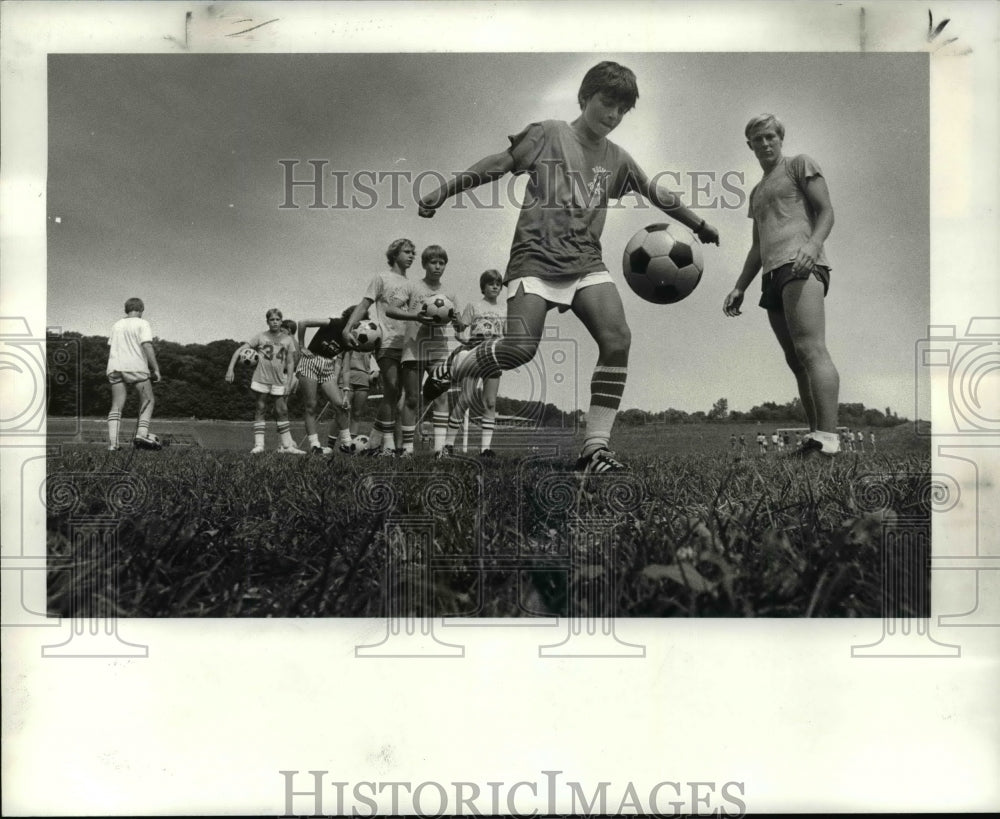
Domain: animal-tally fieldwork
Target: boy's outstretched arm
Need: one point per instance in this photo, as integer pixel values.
(231, 372)
(751, 267)
(485, 170)
(672, 205)
(359, 311)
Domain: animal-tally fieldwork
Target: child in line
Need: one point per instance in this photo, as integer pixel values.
(427, 346)
(274, 375)
(484, 319)
(356, 380)
(132, 360)
(556, 260)
(387, 291)
(319, 367)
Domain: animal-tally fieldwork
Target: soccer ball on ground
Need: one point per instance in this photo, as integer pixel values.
(358, 444)
(439, 308)
(366, 335)
(249, 355)
(662, 263)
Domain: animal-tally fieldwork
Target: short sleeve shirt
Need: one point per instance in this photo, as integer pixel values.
(784, 217)
(328, 341)
(485, 320)
(390, 289)
(430, 339)
(127, 337)
(274, 350)
(570, 181)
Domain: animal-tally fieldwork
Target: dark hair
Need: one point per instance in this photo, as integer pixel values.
(134, 305)
(274, 311)
(395, 247)
(489, 276)
(433, 252)
(612, 79)
(291, 326)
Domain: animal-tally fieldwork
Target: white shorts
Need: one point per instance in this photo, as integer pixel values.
(268, 389)
(560, 292)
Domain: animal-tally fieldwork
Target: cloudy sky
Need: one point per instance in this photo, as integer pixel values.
(165, 182)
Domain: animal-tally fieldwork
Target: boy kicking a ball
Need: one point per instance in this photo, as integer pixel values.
(555, 258)
(131, 359)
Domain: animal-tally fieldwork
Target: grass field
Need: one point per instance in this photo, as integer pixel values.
(692, 530)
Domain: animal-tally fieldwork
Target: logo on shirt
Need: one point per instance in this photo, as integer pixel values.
(597, 186)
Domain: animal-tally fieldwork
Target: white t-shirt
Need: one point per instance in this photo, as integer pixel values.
(126, 340)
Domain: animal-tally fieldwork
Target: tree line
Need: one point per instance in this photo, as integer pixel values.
(194, 386)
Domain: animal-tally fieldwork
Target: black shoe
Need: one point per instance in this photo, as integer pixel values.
(147, 442)
(487, 454)
(598, 462)
(448, 451)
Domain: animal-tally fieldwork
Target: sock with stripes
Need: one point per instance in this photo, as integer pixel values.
(606, 388)
(258, 434)
(408, 432)
(488, 424)
(114, 421)
(440, 420)
(285, 433)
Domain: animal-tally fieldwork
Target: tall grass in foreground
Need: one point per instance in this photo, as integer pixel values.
(224, 534)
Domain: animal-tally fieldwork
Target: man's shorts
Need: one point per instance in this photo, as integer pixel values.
(772, 283)
(316, 368)
(559, 292)
(268, 389)
(428, 351)
(359, 380)
(127, 377)
(390, 353)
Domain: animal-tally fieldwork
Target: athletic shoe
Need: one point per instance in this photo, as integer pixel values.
(112, 449)
(321, 450)
(598, 462)
(404, 453)
(447, 452)
(147, 442)
(257, 450)
(487, 453)
(291, 450)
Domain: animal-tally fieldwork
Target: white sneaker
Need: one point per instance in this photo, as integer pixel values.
(321, 450)
(291, 450)
(257, 450)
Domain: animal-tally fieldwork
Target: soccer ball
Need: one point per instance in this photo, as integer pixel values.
(438, 308)
(662, 263)
(249, 355)
(358, 444)
(366, 335)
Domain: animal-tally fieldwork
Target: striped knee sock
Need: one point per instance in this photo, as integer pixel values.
(488, 424)
(440, 421)
(142, 431)
(258, 434)
(114, 421)
(606, 388)
(407, 433)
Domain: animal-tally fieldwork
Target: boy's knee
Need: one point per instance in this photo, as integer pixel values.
(615, 340)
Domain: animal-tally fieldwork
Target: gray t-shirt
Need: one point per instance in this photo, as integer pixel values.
(571, 179)
(784, 217)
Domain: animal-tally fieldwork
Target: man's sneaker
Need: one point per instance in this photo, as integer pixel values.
(404, 453)
(321, 450)
(257, 450)
(487, 454)
(448, 451)
(112, 448)
(291, 450)
(146, 442)
(598, 462)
